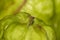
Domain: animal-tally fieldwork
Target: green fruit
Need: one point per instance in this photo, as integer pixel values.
(14, 28)
(15, 31)
(30, 28)
(49, 32)
(21, 32)
(8, 7)
(55, 22)
(20, 18)
(57, 2)
(42, 9)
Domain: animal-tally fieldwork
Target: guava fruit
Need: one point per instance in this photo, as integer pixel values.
(55, 22)
(18, 18)
(12, 25)
(22, 32)
(15, 27)
(8, 7)
(42, 9)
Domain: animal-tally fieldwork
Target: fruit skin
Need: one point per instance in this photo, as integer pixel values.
(47, 29)
(13, 29)
(44, 19)
(4, 5)
(55, 22)
(17, 19)
(42, 9)
(8, 7)
(22, 32)
(51, 15)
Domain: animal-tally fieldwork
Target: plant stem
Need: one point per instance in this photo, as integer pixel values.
(20, 7)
